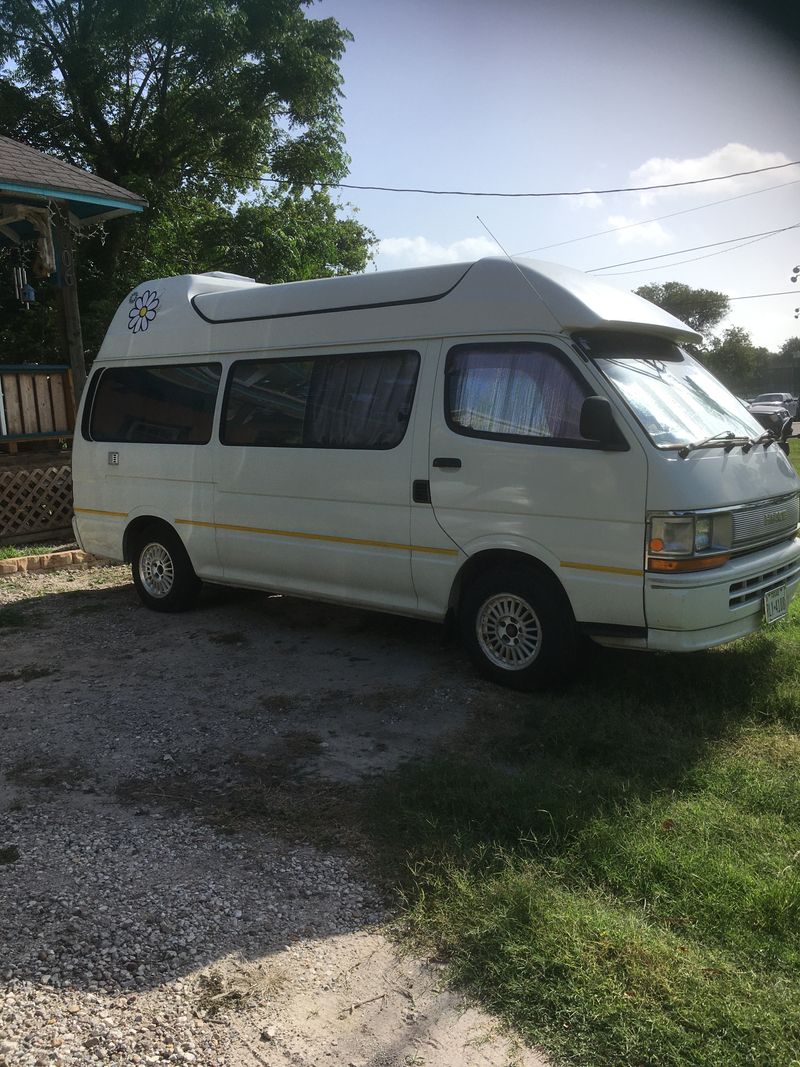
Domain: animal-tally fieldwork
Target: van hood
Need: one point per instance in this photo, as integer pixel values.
(714, 478)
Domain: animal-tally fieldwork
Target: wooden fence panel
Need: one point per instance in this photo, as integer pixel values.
(27, 398)
(38, 402)
(12, 404)
(57, 394)
(44, 410)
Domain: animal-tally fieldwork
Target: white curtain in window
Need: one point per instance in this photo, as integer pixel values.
(360, 402)
(520, 390)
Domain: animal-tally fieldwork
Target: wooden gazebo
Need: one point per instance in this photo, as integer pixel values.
(44, 200)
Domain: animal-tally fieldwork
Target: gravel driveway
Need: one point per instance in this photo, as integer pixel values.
(136, 930)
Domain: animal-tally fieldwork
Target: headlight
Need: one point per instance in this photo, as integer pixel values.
(688, 542)
(703, 534)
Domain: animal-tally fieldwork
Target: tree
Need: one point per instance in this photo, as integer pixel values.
(735, 360)
(188, 102)
(702, 309)
(790, 349)
(176, 94)
(278, 237)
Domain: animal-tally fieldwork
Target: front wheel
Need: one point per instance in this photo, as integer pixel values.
(162, 571)
(518, 627)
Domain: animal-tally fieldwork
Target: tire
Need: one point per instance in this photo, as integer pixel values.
(518, 627)
(162, 571)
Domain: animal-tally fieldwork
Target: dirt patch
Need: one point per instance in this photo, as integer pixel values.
(376, 1008)
(183, 798)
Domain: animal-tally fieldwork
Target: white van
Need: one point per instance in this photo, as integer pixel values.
(510, 444)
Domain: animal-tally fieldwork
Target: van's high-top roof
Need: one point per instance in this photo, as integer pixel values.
(216, 313)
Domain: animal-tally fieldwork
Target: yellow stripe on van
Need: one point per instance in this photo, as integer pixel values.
(98, 511)
(318, 537)
(606, 570)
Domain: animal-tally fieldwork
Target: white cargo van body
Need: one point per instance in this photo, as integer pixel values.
(421, 442)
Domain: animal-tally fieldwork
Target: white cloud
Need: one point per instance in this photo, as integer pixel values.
(651, 233)
(397, 252)
(730, 159)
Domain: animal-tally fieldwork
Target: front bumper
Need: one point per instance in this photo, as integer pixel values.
(689, 612)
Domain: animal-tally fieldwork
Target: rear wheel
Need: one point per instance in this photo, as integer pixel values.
(162, 571)
(518, 627)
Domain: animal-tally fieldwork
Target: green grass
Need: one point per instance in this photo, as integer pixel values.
(615, 869)
(794, 454)
(16, 551)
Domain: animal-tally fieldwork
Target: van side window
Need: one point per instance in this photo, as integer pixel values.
(514, 390)
(149, 405)
(337, 401)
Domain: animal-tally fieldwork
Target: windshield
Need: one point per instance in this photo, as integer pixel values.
(675, 399)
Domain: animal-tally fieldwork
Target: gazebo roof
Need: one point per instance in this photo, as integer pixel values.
(31, 177)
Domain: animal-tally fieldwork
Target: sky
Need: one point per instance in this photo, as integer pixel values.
(573, 95)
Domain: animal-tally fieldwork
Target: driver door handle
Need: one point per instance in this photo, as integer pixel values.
(447, 463)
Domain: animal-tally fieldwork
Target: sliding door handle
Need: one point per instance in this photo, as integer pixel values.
(447, 463)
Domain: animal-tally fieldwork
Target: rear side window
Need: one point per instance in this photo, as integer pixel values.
(149, 405)
(337, 401)
(516, 391)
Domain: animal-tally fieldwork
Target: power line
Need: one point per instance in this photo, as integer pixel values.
(697, 248)
(658, 218)
(571, 192)
(694, 259)
(759, 296)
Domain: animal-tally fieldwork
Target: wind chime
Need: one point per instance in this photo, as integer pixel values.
(44, 262)
(23, 290)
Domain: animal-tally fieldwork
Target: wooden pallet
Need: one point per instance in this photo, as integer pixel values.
(38, 404)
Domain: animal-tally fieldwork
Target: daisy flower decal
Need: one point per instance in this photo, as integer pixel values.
(143, 311)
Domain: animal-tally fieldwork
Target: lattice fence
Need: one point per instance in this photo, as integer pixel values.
(35, 498)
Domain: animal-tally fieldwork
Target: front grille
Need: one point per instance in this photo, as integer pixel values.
(751, 590)
(767, 521)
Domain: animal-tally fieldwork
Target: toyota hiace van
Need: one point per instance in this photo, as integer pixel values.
(509, 444)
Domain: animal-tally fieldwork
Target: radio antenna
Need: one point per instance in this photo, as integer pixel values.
(522, 273)
(495, 239)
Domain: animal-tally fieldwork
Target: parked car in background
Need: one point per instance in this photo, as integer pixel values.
(776, 401)
(771, 416)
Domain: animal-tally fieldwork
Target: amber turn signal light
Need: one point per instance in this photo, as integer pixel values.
(673, 566)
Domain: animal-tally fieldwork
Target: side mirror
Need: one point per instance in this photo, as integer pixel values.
(598, 424)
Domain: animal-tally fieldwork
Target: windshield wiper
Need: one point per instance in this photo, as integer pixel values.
(767, 438)
(726, 439)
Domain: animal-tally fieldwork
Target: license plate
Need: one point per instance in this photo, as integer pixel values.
(775, 606)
